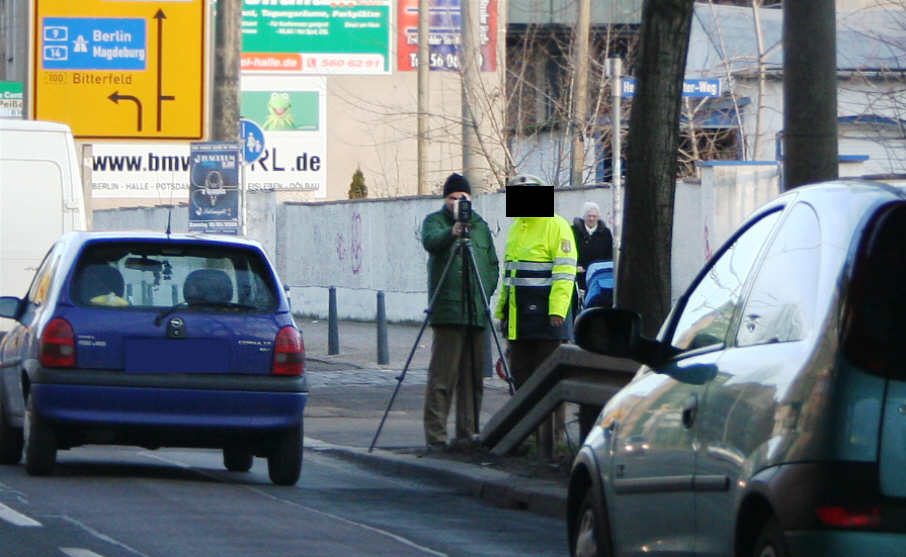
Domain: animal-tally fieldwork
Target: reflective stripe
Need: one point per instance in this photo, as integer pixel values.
(517, 281)
(530, 265)
(563, 276)
(565, 261)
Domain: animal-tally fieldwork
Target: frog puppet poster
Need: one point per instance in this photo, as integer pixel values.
(291, 111)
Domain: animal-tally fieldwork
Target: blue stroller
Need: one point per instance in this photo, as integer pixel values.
(599, 285)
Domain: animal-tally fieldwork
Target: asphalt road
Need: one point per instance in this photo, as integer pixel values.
(128, 502)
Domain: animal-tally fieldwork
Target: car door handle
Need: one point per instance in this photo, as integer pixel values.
(690, 409)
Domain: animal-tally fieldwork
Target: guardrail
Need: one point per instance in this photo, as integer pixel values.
(570, 374)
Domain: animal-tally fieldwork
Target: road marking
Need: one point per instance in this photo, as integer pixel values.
(79, 552)
(382, 532)
(17, 518)
(391, 535)
(100, 536)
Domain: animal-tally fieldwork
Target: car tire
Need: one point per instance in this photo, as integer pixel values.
(589, 540)
(40, 443)
(284, 464)
(770, 542)
(237, 460)
(10, 440)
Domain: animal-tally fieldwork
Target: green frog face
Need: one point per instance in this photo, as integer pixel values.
(279, 113)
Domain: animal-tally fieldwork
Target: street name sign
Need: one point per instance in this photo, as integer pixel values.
(699, 88)
(121, 69)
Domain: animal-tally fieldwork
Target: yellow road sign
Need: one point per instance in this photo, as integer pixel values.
(121, 68)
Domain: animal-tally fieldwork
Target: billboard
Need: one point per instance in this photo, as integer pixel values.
(292, 112)
(444, 35)
(316, 37)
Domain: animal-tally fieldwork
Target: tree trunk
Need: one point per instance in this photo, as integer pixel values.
(643, 282)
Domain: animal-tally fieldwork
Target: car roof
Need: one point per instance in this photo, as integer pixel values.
(81, 237)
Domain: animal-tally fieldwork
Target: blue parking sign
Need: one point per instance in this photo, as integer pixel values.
(89, 43)
(252, 137)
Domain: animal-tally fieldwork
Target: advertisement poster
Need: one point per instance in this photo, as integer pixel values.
(444, 35)
(11, 99)
(316, 38)
(291, 110)
(214, 189)
(157, 171)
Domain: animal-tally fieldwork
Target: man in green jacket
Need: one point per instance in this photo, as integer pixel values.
(457, 316)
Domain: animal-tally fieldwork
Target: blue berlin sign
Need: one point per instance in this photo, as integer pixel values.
(83, 43)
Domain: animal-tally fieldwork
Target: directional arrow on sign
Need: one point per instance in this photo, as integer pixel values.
(115, 97)
(160, 16)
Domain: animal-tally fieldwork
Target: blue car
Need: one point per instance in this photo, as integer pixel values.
(153, 340)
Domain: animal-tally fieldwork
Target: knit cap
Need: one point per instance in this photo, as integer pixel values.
(456, 182)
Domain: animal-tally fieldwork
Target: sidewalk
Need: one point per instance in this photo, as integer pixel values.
(350, 393)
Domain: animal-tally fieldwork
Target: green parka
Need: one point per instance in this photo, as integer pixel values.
(438, 240)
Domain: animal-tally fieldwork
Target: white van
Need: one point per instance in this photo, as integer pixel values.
(40, 197)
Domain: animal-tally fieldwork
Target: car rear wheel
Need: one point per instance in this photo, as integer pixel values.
(284, 464)
(10, 441)
(40, 443)
(589, 540)
(770, 542)
(237, 460)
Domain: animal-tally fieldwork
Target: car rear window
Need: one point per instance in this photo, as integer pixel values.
(156, 276)
(875, 326)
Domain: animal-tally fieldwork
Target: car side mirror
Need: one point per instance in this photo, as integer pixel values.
(10, 307)
(613, 332)
(618, 333)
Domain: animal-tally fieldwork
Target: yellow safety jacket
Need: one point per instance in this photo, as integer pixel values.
(538, 277)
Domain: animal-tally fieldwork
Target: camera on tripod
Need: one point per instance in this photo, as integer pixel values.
(462, 210)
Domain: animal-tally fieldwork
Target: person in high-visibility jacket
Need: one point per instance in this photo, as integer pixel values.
(538, 284)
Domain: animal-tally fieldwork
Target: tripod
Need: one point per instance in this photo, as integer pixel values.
(463, 250)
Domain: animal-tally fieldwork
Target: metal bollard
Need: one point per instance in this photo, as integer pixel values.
(333, 333)
(383, 354)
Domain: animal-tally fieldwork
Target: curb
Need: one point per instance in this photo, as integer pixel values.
(497, 487)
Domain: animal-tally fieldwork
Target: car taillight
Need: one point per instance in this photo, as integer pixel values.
(289, 353)
(843, 517)
(57, 344)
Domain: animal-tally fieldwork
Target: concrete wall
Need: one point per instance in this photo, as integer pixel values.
(361, 247)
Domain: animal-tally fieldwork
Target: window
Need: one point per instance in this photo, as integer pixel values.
(874, 325)
(706, 315)
(40, 285)
(781, 305)
(150, 275)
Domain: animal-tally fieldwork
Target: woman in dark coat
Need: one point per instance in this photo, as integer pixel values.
(593, 240)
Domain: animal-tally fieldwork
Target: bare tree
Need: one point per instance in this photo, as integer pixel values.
(643, 279)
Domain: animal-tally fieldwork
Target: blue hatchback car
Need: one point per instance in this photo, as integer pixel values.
(153, 340)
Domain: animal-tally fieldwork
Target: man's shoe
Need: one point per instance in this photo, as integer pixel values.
(435, 448)
(463, 443)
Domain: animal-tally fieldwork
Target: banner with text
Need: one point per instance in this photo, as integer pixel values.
(444, 35)
(316, 37)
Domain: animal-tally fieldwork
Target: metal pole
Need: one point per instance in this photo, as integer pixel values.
(333, 333)
(470, 77)
(616, 143)
(580, 95)
(383, 355)
(424, 67)
(227, 42)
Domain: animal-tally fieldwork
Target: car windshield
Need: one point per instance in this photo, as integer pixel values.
(160, 276)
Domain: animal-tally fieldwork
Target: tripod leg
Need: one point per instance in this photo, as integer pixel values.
(489, 316)
(421, 331)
